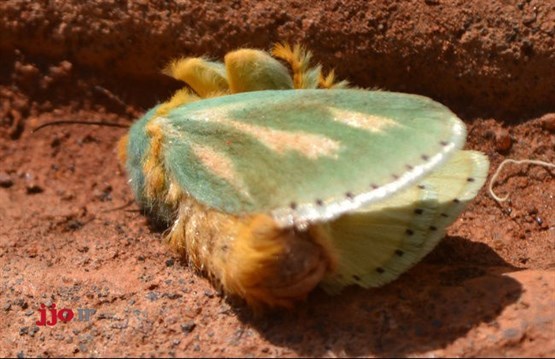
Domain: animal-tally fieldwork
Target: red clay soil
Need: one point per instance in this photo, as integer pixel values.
(487, 290)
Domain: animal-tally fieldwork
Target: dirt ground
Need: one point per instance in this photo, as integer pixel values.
(68, 238)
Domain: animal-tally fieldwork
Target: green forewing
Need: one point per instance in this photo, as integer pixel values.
(305, 155)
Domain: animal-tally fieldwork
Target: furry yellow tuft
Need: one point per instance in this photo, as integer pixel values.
(155, 179)
(181, 97)
(255, 70)
(204, 77)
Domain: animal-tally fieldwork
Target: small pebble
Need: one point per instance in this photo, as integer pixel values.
(31, 184)
(548, 122)
(33, 331)
(83, 348)
(22, 303)
(152, 296)
(5, 180)
(503, 141)
(188, 327)
(33, 188)
(60, 71)
(73, 225)
(27, 71)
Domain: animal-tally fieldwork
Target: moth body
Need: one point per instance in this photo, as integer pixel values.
(274, 182)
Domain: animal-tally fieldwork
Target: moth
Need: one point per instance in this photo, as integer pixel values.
(274, 178)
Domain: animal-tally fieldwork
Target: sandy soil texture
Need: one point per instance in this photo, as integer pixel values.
(487, 290)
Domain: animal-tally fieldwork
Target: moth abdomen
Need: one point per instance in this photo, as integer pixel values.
(250, 256)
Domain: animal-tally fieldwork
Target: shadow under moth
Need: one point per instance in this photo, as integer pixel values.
(274, 178)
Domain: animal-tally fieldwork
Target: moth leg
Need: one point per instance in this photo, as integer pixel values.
(206, 78)
(304, 76)
(329, 81)
(298, 59)
(255, 70)
(250, 256)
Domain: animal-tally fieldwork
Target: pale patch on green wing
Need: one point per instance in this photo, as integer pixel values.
(220, 165)
(214, 114)
(216, 162)
(309, 145)
(362, 120)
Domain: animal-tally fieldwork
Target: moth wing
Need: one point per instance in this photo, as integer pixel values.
(377, 243)
(305, 156)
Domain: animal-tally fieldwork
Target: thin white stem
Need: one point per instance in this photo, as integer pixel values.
(494, 177)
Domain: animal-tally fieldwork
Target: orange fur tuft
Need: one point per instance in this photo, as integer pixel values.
(250, 256)
(122, 149)
(181, 97)
(175, 193)
(155, 179)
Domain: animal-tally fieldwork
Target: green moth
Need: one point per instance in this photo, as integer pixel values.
(274, 181)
